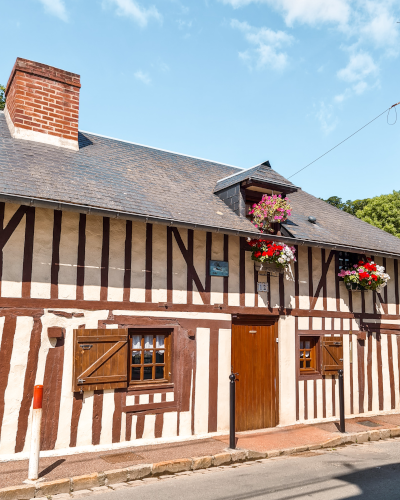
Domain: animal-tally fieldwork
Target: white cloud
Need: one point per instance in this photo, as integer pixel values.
(326, 118)
(267, 44)
(143, 77)
(360, 66)
(56, 8)
(304, 11)
(133, 10)
(182, 25)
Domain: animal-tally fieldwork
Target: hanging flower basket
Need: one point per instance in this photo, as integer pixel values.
(366, 275)
(271, 256)
(270, 210)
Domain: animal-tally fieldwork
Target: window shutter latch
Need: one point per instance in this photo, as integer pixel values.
(86, 347)
(81, 380)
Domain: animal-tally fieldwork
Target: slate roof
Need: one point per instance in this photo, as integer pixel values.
(138, 180)
(261, 173)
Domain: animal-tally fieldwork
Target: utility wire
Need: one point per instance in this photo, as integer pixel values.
(344, 140)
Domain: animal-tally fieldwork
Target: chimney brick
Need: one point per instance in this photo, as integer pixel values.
(42, 104)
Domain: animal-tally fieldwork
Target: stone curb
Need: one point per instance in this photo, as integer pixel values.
(63, 489)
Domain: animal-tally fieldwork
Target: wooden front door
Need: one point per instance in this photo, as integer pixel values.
(255, 358)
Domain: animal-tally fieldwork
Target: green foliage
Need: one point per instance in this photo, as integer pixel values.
(2, 97)
(351, 207)
(382, 211)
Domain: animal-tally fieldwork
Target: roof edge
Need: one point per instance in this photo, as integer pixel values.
(54, 205)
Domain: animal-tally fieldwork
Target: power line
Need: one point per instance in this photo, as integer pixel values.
(344, 140)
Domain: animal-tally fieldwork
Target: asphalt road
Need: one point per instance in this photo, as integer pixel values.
(365, 471)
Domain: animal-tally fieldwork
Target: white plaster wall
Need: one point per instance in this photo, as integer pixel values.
(217, 282)
(170, 424)
(116, 267)
(149, 424)
(107, 416)
(320, 410)
(396, 373)
(304, 301)
(391, 287)
(289, 287)
(199, 262)
(287, 370)
(233, 282)
(84, 435)
(202, 380)
(185, 417)
(274, 284)
(310, 399)
(387, 400)
(356, 401)
(179, 270)
(133, 428)
(42, 253)
(2, 320)
(375, 386)
(301, 400)
(14, 391)
(328, 398)
(316, 276)
(224, 370)
(94, 243)
(330, 284)
(159, 285)
(68, 256)
(13, 256)
(346, 373)
(138, 266)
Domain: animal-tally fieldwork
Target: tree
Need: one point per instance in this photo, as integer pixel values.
(2, 97)
(383, 212)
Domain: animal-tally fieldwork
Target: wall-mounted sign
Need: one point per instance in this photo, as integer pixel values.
(219, 268)
(262, 286)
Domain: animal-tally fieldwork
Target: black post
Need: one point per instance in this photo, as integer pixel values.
(341, 401)
(232, 437)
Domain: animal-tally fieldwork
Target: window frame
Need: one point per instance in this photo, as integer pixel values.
(168, 334)
(351, 257)
(316, 348)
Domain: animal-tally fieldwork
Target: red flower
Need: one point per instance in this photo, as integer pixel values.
(361, 262)
(257, 254)
(364, 276)
(374, 277)
(264, 254)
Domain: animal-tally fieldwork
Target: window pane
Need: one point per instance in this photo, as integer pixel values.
(308, 364)
(307, 344)
(136, 341)
(148, 341)
(307, 354)
(301, 344)
(148, 373)
(136, 373)
(301, 364)
(159, 372)
(160, 341)
(160, 357)
(301, 354)
(136, 358)
(148, 357)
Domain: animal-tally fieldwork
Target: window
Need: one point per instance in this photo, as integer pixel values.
(308, 354)
(347, 260)
(150, 356)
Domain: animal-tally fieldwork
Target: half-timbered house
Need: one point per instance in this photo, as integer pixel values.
(129, 292)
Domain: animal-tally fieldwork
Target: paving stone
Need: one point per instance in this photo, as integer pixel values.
(256, 455)
(374, 435)
(85, 482)
(61, 496)
(331, 443)
(56, 487)
(118, 486)
(202, 462)
(24, 492)
(362, 437)
(385, 433)
(395, 432)
(98, 489)
(239, 455)
(150, 480)
(221, 459)
(274, 453)
(315, 447)
(139, 471)
(178, 465)
(116, 476)
(81, 493)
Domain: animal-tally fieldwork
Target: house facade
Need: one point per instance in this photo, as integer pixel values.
(128, 289)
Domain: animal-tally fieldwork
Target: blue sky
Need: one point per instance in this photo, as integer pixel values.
(235, 81)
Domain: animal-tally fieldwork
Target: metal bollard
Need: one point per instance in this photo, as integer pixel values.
(232, 407)
(341, 401)
(33, 472)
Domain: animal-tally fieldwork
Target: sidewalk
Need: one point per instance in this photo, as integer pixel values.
(101, 469)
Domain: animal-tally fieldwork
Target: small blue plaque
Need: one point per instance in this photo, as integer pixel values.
(219, 268)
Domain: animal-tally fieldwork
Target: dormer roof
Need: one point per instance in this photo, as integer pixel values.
(261, 174)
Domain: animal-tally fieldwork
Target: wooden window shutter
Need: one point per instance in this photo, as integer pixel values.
(331, 354)
(100, 359)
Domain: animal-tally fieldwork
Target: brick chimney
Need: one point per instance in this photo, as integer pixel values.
(42, 104)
